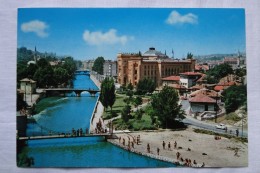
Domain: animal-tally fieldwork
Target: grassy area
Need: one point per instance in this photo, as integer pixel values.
(117, 107)
(219, 134)
(230, 118)
(134, 124)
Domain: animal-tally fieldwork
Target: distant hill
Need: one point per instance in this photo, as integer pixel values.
(215, 57)
(24, 55)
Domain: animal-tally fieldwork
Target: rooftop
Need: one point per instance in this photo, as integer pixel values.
(201, 98)
(191, 74)
(153, 52)
(171, 78)
(27, 80)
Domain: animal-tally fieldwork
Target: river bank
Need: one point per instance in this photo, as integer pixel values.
(202, 148)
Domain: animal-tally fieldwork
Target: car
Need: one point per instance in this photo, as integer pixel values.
(221, 126)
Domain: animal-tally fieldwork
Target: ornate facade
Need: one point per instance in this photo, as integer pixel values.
(152, 65)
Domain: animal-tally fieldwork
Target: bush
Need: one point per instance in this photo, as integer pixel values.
(233, 116)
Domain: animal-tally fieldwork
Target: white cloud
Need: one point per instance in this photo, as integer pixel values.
(36, 26)
(109, 37)
(176, 18)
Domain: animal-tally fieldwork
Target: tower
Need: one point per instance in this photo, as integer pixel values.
(35, 56)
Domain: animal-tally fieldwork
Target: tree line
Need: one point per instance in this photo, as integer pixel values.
(42, 72)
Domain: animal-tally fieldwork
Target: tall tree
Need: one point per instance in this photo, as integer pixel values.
(107, 94)
(98, 65)
(165, 107)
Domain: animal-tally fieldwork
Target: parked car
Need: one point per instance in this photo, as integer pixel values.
(221, 126)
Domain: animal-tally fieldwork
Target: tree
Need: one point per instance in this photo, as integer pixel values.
(165, 107)
(145, 86)
(189, 55)
(218, 72)
(60, 75)
(130, 86)
(98, 65)
(107, 94)
(125, 113)
(44, 76)
(234, 97)
(139, 113)
(138, 101)
(70, 66)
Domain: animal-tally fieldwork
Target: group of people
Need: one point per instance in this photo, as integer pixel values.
(78, 132)
(130, 144)
(169, 145)
(99, 128)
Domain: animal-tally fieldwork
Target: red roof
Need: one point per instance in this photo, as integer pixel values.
(201, 67)
(177, 86)
(192, 73)
(218, 88)
(201, 98)
(172, 78)
(227, 83)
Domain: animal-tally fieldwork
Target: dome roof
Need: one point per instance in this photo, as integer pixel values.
(153, 52)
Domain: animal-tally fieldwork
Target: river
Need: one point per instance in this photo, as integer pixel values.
(60, 115)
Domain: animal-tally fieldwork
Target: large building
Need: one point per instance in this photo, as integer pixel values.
(133, 67)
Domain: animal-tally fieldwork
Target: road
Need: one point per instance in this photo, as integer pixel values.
(209, 126)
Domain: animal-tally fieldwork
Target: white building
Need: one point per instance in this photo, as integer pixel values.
(188, 79)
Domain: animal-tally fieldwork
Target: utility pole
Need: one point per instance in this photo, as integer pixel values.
(216, 108)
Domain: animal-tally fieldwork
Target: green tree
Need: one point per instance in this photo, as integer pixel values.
(44, 76)
(98, 65)
(145, 86)
(138, 101)
(189, 55)
(130, 86)
(234, 97)
(42, 63)
(218, 72)
(107, 94)
(139, 113)
(165, 107)
(125, 113)
(70, 66)
(61, 75)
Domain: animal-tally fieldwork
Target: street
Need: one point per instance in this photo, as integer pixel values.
(208, 126)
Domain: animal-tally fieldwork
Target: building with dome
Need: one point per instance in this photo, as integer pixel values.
(133, 67)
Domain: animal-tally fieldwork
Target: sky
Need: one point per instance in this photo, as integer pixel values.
(87, 33)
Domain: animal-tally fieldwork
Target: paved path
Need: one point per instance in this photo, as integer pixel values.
(97, 115)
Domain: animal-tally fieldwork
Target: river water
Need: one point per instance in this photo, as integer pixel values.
(60, 115)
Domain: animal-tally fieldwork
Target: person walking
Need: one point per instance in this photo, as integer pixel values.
(163, 144)
(169, 146)
(158, 151)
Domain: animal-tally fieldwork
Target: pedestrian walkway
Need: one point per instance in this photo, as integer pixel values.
(97, 117)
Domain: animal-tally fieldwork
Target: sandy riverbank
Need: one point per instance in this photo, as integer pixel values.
(220, 153)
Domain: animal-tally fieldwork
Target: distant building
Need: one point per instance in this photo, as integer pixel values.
(110, 68)
(88, 64)
(154, 65)
(202, 68)
(234, 62)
